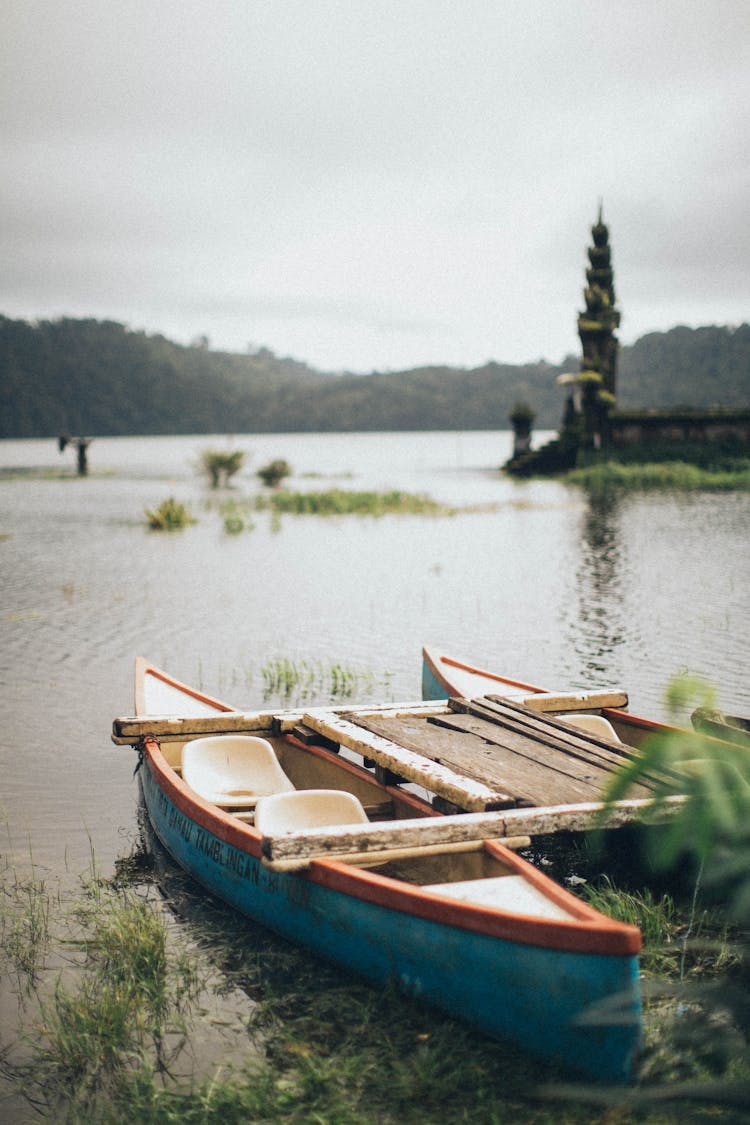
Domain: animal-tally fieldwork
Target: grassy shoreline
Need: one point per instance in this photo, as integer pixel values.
(671, 475)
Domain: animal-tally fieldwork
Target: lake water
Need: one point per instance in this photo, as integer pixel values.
(543, 586)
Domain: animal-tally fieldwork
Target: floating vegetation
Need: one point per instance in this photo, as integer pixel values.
(236, 516)
(286, 678)
(171, 515)
(273, 473)
(221, 465)
(341, 502)
(676, 475)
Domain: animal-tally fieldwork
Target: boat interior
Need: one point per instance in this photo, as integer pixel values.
(282, 787)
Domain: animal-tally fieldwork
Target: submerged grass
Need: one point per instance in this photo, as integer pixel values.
(287, 678)
(675, 475)
(342, 502)
(25, 906)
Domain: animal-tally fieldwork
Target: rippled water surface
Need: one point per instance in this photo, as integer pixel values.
(545, 586)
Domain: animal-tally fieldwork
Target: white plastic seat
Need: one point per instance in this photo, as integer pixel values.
(595, 724)
(307, 808)
(234, 770)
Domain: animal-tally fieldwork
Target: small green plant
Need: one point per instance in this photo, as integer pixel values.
(221, 465)
(274, 472)
(171, 515)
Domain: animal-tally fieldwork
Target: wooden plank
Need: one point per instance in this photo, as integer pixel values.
(570, 700)
(493, 756)
(169, 728)
(464, 792)
(552, 729)
(538, 773)
(390, 855)
(375, 839)
(573, 754)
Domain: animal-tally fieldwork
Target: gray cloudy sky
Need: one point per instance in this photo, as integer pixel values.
(374, 183)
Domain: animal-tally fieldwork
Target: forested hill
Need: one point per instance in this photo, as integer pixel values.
(88, 377)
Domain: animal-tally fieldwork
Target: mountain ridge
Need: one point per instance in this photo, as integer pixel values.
(85, 376)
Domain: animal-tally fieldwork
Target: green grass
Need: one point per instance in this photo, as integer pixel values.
(171, 515)
(342, 502)
(236, 516)
(291, 679)
(25, 906)
(675, 475)
(656, 917)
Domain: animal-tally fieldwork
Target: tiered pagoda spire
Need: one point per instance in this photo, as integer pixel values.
(597, 324)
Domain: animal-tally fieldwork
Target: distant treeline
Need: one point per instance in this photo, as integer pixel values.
(89, 377)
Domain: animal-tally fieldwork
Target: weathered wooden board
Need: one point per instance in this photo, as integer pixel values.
(571, 700)
(357, 843)
(551, 729)
(543, 774)
(526, 756)
(464, 792)
(474, 748)
(168, 728)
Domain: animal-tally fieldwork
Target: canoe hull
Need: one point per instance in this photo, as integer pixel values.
(536, 996)
(443, 676)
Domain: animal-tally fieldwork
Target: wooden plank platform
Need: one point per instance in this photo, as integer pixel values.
(531, 758)
(477, 755)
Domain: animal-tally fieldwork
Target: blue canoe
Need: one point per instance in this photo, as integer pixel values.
(479, 933)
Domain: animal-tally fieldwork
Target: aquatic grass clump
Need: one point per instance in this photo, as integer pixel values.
(274, 472)
(24, 923)
(341, 502)
(124, 1004)
(221, 465)
(287, 678)
(171, 515)
(236, 516)
(676, 475)
(656, 918)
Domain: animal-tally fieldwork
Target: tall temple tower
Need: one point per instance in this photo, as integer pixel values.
(587, 419)
(597, 324)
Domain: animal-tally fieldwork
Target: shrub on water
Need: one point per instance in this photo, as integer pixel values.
(273, 473)
(221, 466)
(169, 516)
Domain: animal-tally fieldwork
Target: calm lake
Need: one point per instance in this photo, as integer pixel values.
(536, 582)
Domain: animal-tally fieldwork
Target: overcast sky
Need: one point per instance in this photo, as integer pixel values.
(373, 184)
